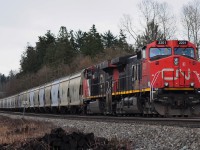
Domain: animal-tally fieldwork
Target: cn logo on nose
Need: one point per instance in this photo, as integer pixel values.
(185, 74)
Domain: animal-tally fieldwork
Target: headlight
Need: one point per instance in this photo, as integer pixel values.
(176, 61)
(166, 84)
(192, 84)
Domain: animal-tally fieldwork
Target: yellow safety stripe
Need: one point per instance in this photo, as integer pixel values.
(131, 91)
(181, 89)
(97, 96)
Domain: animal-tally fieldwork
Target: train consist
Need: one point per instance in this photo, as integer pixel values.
(163, 78)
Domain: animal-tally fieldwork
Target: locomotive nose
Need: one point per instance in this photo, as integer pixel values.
(179, 73)
(184, 76)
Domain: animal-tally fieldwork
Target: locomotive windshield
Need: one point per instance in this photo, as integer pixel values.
(188, 52)
(156, 53)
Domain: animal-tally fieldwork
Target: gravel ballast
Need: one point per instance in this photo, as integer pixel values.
(142, 136)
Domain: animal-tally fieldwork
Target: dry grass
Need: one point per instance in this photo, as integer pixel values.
(19, 130)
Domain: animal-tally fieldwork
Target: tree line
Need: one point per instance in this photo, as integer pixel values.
(68, 52)
(52, 51)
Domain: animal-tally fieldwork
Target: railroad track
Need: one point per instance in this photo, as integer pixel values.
(192, 122)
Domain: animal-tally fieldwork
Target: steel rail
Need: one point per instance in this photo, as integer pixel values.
(192, 122)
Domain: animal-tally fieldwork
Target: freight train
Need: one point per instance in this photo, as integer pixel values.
(162, 78)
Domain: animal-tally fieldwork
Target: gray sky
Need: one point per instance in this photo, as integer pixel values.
(22, 21)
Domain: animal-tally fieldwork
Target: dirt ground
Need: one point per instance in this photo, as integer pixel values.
(22, 134)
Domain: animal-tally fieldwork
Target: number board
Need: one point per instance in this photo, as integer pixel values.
(182, 42)
(161, 42)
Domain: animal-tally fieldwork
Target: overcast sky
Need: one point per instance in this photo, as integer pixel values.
(22, 21)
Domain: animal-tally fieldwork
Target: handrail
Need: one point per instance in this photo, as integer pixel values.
(198, 77)
(152, 84)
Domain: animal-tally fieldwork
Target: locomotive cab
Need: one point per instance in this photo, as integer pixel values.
(173, 77)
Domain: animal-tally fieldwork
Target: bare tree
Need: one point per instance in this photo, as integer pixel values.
(151, 12)
(186, 22)
(191, 21)
(160, 14)
(166, 21)
(126, 25)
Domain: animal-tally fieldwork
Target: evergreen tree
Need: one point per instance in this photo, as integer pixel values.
(3, 78)
(29, 60)
(65, 48)
(109, 40)
(62, 34)
(12, 74)
(73, 41)
(122, 43)
(79, 39)
(45, 42)
(92, 43)
(49, 57)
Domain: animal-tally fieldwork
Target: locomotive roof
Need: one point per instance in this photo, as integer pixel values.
(122, 60)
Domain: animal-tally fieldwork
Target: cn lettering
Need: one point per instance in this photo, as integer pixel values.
(176, 74)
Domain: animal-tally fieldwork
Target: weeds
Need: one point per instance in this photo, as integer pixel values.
(18, 130)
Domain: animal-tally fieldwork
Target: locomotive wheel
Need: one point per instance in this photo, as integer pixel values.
(168, 111)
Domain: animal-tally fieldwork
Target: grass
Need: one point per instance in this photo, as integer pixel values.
(19, 130)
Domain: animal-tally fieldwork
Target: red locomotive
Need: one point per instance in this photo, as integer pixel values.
(163, 78)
